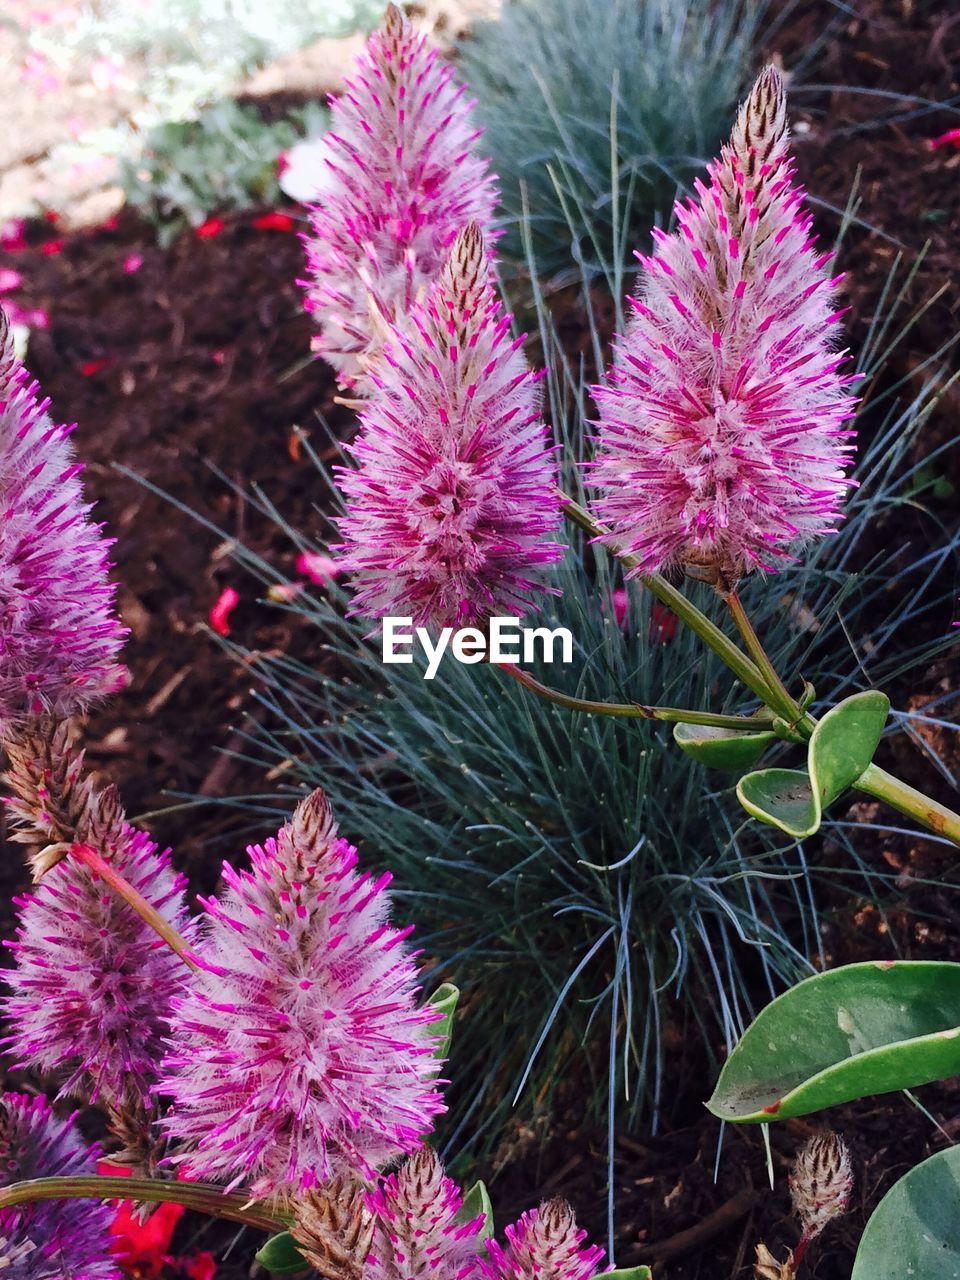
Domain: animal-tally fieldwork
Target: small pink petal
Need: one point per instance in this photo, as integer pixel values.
(949, 139)
(318, 568)
(132, 262)
(220, 613)
(9, 279)
(621, 605)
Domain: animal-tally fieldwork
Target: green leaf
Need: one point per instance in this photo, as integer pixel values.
(844, 743)
(782, 798)
(854, 1031)
(915, 1229)
(723, 748)
(475, 1202)
(445, 999)
(626, 1273)
(281, 1256)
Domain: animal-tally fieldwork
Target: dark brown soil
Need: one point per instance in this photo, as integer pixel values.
(201, 356)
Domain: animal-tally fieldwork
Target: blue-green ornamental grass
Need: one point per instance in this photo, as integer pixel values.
(550, 76)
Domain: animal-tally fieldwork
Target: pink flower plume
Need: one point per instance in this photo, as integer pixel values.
(399, 180)
(722, 439)
(453, 494)
(302, 1055)
(59, 634)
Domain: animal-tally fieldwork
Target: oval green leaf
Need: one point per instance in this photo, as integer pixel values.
(854, 1031)
(626, 1273)
(475, 1203)
(444, 999)
(782, 798)
(734, 749)
(281, 1257)
(845, 741)
(915, 1229)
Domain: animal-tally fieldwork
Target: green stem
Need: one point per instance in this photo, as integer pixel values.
(205, 1197)
(738, 662)
(123, 888)
(785, 704)
(759, 675)
(634, 710)
(935, 817)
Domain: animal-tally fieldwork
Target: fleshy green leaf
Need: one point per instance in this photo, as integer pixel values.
(626, 1273)
(915, 1229)
(844, 743)
(734, 749)
(782, 798)
(281, 1256)
(475, 1202)
(445, 999)
(854, 1031)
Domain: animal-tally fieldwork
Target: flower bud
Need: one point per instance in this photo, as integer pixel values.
(821, 1182)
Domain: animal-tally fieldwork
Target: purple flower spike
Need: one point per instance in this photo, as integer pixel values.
(546, 1242)
(59, 635)
(722, 443)
(454, 490)
(93, 984)
(417, 1232)
(50, 1239)
(303, 1056)
(401, 180)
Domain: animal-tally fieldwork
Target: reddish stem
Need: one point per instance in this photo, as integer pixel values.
(149, 914)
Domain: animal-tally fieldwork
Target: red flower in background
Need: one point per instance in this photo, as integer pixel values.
(142, 1248)
(209, 229)
(274, 221)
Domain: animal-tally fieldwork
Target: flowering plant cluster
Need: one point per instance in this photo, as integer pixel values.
(270, 1059)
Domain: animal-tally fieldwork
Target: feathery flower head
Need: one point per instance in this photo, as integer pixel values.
(302, 1056)
(400, 178)
(49, 1239)
(722, 440)
(417, 1232)
(59, 635)
(92, 985)
(454, 487)
(546, 1242)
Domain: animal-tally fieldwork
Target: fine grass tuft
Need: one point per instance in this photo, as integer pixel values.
(591, 106)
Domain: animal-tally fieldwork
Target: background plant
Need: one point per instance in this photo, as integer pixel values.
(551, 75)
(225, 158)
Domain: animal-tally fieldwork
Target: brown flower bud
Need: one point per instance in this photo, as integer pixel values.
(334, 1229)
(821, 1182)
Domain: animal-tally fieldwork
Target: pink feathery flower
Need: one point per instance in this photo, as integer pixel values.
(49, 1239)
(417, 1232)
(303, 1055)
(546, 1242)
(722, 443)
(59, 635)
(454, 488)
(397, 178)
(93, 984)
